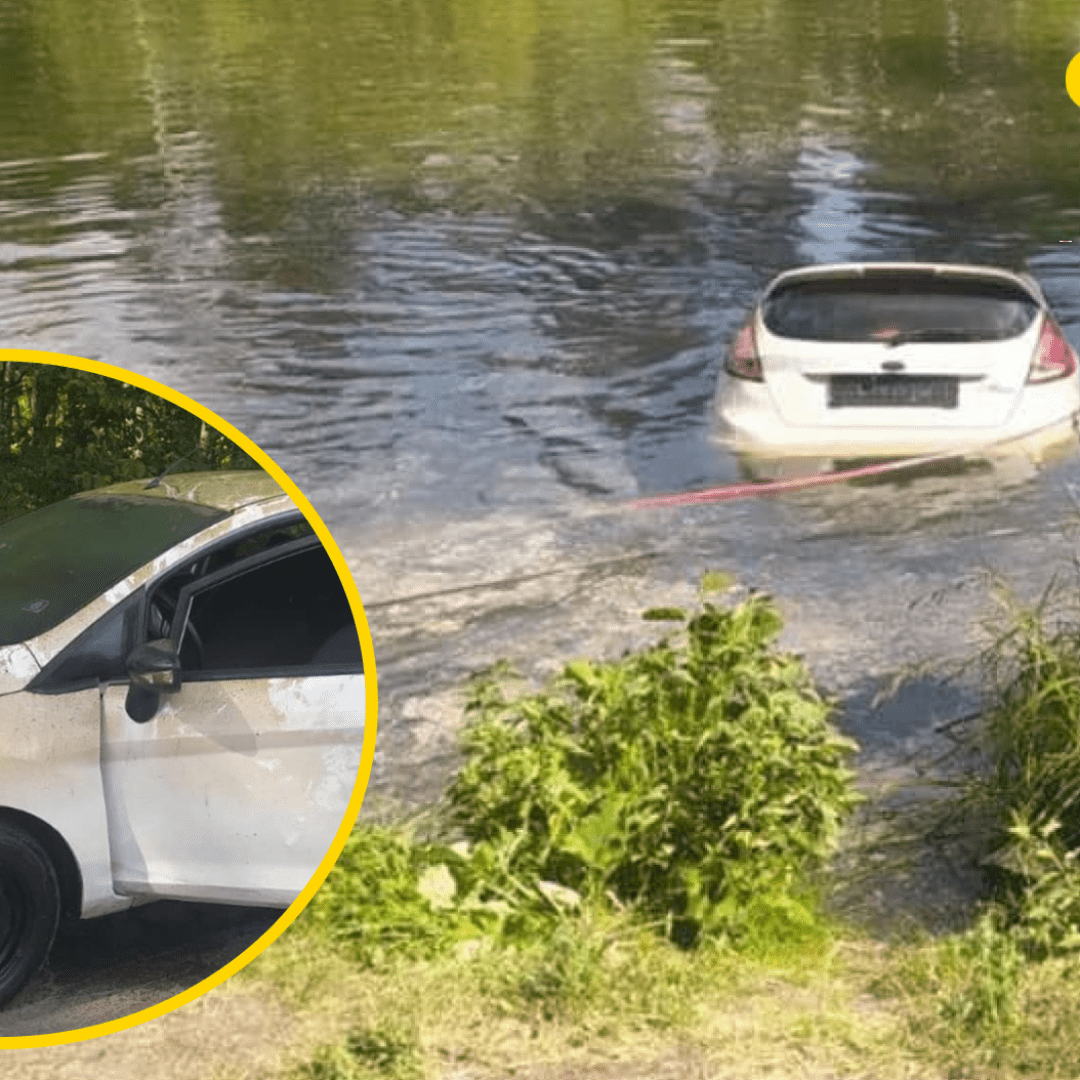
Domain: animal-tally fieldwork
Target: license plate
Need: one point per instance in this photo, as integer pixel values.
(916, 391)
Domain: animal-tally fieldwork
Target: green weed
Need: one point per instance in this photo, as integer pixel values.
(992, 1001)
(391, 897)
(982, 968)
(690, 786)
(1033, 724)
(1047, 915)
(381, 1053)
(1031, 791)
(679, 781)
(600, 969)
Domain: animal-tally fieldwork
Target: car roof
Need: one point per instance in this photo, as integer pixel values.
(223, 490)
(857, 269)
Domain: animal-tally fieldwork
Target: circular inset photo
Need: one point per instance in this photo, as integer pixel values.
(187, 699)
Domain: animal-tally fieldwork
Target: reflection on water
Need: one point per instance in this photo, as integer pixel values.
(970, 491)
(831, 224)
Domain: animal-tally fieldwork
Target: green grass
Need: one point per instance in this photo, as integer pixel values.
(603, 988)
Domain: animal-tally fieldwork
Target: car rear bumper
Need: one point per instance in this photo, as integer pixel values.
(748, 422)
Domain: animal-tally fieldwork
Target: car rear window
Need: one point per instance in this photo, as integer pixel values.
(55, 560)
(891, 306)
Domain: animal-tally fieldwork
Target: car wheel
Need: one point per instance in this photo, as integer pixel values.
(29, 909)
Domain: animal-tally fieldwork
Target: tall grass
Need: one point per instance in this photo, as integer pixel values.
(1031, 790)
(999, 999)
(1033, 726)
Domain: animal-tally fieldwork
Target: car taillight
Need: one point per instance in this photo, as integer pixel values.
(1054, 357)
(742, 359)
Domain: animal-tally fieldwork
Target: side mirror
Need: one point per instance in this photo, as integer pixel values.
(153, 667)
(142, 703)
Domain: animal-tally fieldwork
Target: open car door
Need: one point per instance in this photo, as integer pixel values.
(231, 785)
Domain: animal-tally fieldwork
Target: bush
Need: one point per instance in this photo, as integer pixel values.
(681, 781)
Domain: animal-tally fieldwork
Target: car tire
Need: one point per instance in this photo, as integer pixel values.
(29, 909)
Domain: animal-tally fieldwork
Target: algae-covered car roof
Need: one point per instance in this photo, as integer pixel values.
(58, 558)
(224, 490)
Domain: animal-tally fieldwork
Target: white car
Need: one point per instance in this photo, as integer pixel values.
(182, 704)
(884, 359)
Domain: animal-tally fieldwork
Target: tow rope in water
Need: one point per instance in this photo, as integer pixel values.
(726, 493)
(750, 489)
(757, 488)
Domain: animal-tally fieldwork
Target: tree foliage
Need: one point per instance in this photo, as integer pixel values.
(64, 430)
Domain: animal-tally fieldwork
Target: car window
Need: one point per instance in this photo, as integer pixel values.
(55, 560)
(269, 602)
(885, 305)
(254, 543)
(289, 613)
(166, 594)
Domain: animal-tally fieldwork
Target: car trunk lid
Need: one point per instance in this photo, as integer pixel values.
(897, 346)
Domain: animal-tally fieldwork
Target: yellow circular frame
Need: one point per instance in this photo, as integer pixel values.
(110, 371)
(1072, 79)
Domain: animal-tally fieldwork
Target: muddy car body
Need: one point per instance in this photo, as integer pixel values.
(182, 704)
(882, 359)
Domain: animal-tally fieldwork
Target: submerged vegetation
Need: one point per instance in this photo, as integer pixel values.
(629, 860)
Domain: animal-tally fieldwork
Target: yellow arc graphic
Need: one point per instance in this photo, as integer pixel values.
(1072, 79)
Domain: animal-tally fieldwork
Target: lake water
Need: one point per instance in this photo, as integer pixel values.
(467, 272)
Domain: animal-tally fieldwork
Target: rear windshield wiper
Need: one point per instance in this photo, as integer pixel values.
(929, 333)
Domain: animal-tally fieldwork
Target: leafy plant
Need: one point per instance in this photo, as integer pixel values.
(390, 896)
(1045, 915)
(681, 780)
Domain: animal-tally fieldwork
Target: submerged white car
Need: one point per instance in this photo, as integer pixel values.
(882, 359)
(182, 704)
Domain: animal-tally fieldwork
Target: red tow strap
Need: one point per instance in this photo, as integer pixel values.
(756, 489)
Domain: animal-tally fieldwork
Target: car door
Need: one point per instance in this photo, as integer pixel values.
(233, 789)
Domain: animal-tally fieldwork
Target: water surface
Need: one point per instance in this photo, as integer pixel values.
(467, 271)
